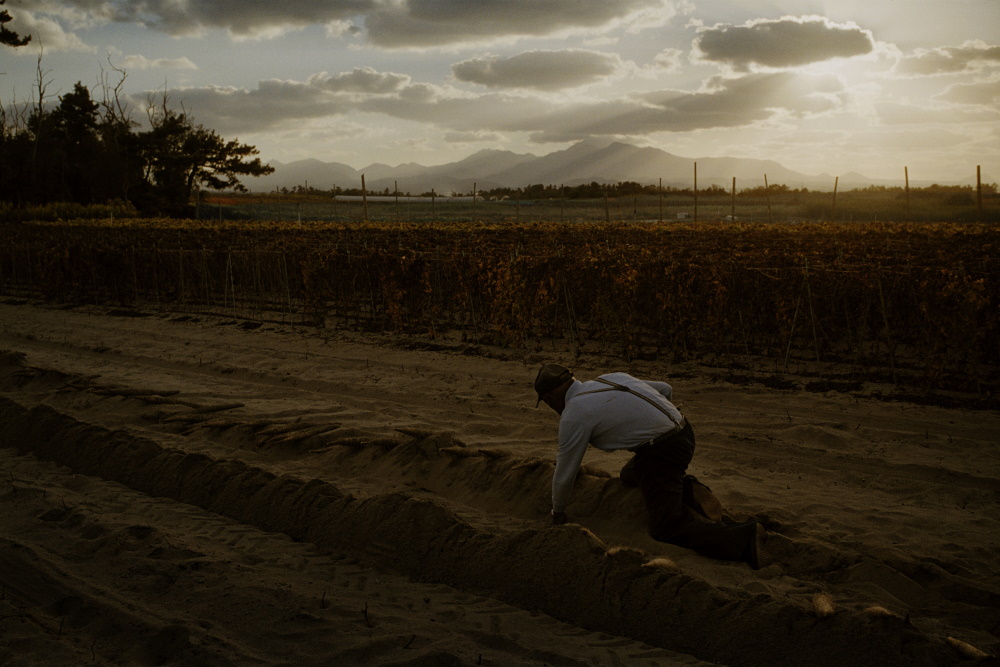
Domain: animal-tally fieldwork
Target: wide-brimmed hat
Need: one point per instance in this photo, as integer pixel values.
(549, 377)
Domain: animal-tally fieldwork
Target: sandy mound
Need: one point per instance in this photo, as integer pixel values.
(184, 491)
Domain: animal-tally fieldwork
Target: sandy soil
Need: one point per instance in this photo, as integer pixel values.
(193, 490)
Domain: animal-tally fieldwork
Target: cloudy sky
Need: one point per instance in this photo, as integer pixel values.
(821, 86)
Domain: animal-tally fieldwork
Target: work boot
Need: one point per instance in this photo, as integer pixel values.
(757, 555)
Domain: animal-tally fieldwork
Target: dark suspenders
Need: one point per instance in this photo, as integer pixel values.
(620, 387)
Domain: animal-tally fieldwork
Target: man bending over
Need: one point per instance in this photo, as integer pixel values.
(617, 411)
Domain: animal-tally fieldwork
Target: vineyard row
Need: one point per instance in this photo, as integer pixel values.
(891, 300)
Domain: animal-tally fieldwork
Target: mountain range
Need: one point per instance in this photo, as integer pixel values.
(584, 162)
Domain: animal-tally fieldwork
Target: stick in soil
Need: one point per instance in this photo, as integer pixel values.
(791, 333)
(812, 316)
(219, 408)
(888, 332)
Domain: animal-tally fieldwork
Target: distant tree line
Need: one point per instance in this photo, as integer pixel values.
(956, 195)
(93, 152)
(539, 191)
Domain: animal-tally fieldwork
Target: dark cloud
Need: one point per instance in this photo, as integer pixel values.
(389, 23)
(969, 57)
(240, 17)
(542, 70)
(429, 23)
(271, 105)
(786, 42)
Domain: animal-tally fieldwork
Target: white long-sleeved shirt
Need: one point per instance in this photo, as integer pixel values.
(609, 420)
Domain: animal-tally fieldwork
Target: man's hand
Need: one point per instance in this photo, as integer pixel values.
(558, 518)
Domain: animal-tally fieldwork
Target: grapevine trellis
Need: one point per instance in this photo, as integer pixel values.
(885, 298)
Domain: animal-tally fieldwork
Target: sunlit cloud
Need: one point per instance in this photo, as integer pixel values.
(47, 35)
(984, 93)
(970, 57)
(669, 60)
(473, 137)
(140, 62)
(361, 80)
(725, 103)
(894, 113)
(722, 102)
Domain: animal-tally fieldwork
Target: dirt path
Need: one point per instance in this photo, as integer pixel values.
(188, 490)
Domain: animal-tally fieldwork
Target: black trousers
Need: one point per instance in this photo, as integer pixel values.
(660, 470)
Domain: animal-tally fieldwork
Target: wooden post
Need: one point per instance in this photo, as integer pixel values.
(696, 192)
(767, 198)
(661, 199)
(474, 184)
(364, 197)
(395, 187)
(226, 281)
(607, 206)
(433, 208)
(906, 175)
(562, 203)
(732, 208)
(833, 207)
(979, 193)
(204, 273)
